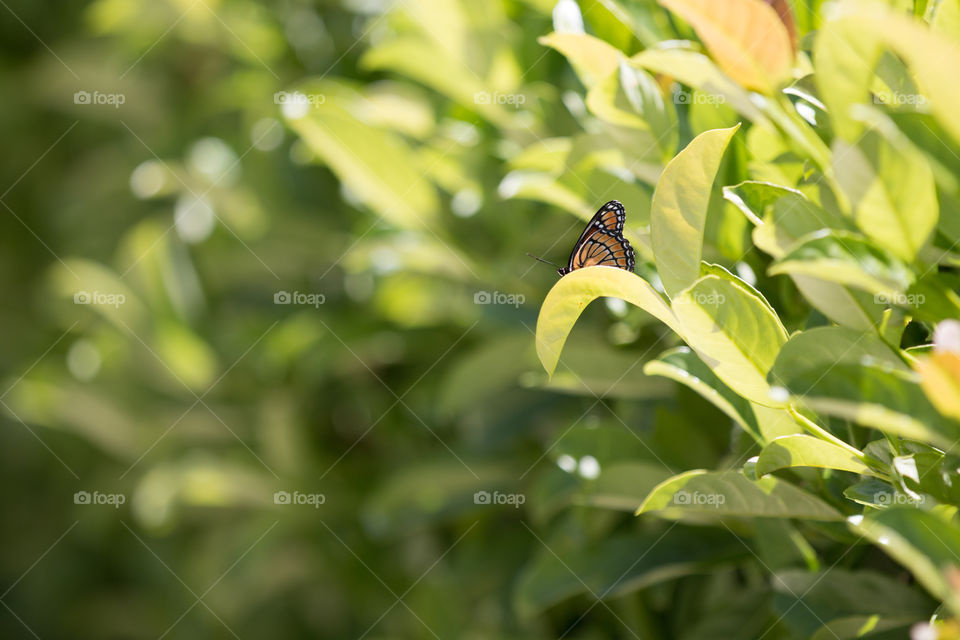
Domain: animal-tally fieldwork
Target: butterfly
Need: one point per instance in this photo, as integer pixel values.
(601, 243)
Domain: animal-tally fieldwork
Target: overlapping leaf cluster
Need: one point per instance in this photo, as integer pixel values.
(830, 340)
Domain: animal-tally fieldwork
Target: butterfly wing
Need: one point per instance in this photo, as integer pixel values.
(602, 242)
(606, 249)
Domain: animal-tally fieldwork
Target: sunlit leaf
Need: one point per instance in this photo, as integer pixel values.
(573, 292)
(807, 451)
(733, 330)
(592, 58)
(679, 209)
(745, 37)
(377, 165)
(720, 494)
(849, 260)
(891, 190)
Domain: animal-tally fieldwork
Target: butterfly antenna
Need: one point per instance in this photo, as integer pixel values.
(544, 261)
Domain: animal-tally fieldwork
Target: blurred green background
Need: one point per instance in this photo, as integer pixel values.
(261, 247)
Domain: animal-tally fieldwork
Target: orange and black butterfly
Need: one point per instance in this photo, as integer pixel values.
(602, 242)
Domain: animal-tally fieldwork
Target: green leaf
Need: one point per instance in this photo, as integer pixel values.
(873, 396)
(923, 542)
(847, 259)
(592, 58)
(875, 493)
(782, 217)
(871, 627)
(679, 209)
(698, 71)
(419, 59)
(745, 37)
(591, 366)
(846, 52)
(377, 165)
(734, 331)
(836, 592)
(621, 564)
(630, 97)
(807, 451)
(816, 350)
(682, 365)
(719, 494)
(573, 292)
(755, 198)
(430, 491)
(891, 190)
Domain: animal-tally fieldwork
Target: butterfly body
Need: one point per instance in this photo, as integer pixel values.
(602, 242)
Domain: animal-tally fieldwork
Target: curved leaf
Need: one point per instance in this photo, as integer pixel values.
(921, 541)
(377, 165)
(877, 397)
(734, 331)
(621, 564)
(573, 292)
(679, 210)
(719, 494)
(816, 350)
(891, 190)
(844, 258)
(592, 58)
(696, 70)
(682, 365)
(807, 451)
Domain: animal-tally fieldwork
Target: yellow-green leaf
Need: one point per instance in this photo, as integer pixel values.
(679, 210)
(807, 451)
(592, 58)
(571, 295)
(734, 331)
